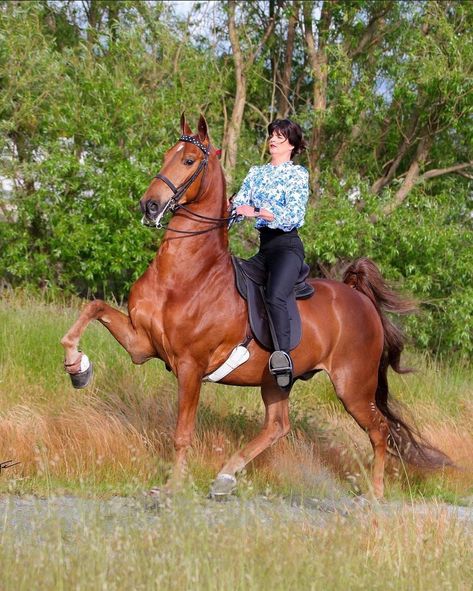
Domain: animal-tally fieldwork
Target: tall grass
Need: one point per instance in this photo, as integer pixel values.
(247, 546)
(116, 436)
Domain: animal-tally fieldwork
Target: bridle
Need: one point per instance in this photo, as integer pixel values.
(178, 192)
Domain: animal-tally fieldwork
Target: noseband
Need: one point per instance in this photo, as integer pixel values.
(178, 192)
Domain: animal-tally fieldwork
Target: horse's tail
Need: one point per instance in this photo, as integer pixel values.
(404, 440)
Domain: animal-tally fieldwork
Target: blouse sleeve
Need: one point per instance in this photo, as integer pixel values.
(245, 194)
(296, 194)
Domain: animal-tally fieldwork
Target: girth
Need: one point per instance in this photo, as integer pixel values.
(250, 277)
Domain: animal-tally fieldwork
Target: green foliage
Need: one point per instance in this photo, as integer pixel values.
(425, 248)
(94, 129)
(90, 102)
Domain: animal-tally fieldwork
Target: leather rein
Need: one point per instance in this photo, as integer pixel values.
(178, 192)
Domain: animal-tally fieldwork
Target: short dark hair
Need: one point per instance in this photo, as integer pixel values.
(291, 131)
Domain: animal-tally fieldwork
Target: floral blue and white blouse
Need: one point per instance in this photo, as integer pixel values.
(283, 190)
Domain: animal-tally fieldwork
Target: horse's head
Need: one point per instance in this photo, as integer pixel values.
(181, 178)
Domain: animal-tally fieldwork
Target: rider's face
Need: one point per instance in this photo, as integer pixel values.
(279, 145)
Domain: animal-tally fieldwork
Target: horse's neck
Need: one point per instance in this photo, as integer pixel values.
(185, 256)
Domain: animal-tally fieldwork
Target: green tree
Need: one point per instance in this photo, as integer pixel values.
(91, 96)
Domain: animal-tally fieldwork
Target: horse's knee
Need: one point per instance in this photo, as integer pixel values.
(138, 358)
(95, 308)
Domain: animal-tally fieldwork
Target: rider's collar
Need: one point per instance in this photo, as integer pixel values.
(290, 162)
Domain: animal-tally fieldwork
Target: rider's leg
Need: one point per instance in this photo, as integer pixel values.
(283, 271)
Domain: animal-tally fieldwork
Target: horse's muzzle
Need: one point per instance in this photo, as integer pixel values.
(153, 212)
(151, 208)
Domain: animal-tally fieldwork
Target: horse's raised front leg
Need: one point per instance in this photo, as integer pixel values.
(136, 343)
(276, 425)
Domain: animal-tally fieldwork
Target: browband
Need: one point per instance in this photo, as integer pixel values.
(195, 141)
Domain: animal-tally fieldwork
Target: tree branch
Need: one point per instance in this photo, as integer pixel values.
(267, 33)
(466, 175)
(435, 172)
(412, 176)
(380, 183)
(283, 98)
(373, 32)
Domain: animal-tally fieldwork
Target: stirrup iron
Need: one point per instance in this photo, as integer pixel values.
(280, 366)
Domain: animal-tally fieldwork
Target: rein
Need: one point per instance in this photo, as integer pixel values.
(219, 222)
(173, 204)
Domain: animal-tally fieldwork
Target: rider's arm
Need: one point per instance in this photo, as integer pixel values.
(243, 202)
(245, 194)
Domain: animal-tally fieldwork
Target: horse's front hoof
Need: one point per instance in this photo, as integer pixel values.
(82, 379)
(223, 486)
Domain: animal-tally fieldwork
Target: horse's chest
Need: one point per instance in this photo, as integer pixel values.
(188, 320)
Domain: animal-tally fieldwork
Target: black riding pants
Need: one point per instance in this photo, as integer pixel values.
(283, 255)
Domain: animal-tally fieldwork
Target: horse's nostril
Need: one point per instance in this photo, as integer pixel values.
(152, 207)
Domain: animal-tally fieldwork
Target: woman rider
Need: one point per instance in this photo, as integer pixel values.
(276, 195)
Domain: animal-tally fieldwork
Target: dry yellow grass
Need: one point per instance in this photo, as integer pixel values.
(117, 435)
(96, 439)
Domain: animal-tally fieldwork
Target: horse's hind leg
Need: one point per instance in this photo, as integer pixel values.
(276, 425)
(357, 391)
(117, 323)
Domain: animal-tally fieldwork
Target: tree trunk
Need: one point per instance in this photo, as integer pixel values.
(284, 104)
(92, 11)
(113, 19)
(242, 64)
(318, 60)
(230, 149)
(230, 141)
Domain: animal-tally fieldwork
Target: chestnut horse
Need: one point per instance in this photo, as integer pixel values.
(186, 311)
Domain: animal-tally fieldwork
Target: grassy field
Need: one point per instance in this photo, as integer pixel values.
(232, 547)
(115, 438)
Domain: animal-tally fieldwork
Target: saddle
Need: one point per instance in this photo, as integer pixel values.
(250, 278)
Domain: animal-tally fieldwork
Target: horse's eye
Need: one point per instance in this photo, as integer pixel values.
(189, 162)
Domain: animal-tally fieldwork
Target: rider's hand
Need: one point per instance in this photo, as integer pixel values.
(266, 215)
(246, 210)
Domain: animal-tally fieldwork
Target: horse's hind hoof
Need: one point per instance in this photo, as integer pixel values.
(82, 379)
(223, 486)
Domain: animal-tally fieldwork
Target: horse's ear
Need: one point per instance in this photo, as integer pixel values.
(185, 129)
(202, 127)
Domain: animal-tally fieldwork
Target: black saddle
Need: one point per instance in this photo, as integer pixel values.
(250, 276)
